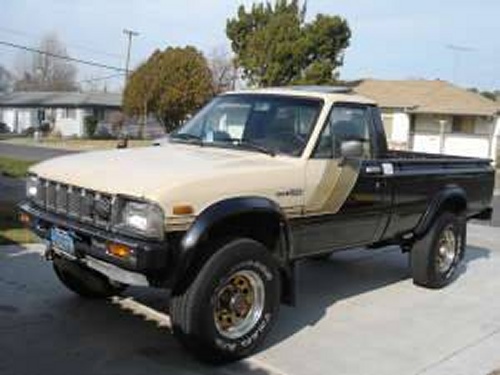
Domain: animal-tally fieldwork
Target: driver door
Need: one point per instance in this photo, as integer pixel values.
(344, 201)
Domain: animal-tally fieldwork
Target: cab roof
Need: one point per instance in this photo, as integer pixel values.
(330, 93)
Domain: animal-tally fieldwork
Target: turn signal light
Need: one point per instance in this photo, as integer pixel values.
(119, 250)
(24, 218)
(183, 209)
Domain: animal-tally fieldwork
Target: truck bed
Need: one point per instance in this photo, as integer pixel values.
(418, 178)
(421, 157)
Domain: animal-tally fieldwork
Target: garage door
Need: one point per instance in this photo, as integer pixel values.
(465, 145)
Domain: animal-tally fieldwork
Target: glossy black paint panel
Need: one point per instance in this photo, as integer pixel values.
(360, 221)
(418, 180)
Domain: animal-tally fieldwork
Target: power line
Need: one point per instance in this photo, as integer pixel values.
(62, 57)
(101, 78)
(458, 48)
(70, 45)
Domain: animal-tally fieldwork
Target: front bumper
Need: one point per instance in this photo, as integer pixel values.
(148, 258)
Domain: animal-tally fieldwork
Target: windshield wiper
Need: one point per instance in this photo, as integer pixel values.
(188, 137)
(253, 146)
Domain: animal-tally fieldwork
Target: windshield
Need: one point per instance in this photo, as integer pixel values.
(266, 123)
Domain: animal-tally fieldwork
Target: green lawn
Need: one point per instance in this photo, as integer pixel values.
(13, 167)
(11, 230)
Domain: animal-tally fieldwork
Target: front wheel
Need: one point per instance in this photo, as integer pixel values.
(231, 305)
(435, 257)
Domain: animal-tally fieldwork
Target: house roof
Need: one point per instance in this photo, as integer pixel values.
(421, 96)
(60, 99)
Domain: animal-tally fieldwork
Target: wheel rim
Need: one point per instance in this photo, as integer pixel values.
(447, 250)
(238, 304)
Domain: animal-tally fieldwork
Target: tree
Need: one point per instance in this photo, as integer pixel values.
(44, 72)
(117, 120)
(224, 72)
(492, 95)
(170, 85)
(6, 79)
(275, 46)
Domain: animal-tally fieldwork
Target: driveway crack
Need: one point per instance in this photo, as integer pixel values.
(458, 351)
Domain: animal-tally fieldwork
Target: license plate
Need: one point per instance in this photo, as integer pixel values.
(61, 241)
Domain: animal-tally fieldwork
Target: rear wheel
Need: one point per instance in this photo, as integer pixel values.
(229, 308)
(435, 257)
(83, 281)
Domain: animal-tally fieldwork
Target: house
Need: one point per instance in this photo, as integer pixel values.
(436, 117)
(64, 111)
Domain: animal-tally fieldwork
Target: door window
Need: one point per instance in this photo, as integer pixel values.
(344, 123)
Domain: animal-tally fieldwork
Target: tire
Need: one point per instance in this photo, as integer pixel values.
(435, 257)
(200, 314)
(83, 281)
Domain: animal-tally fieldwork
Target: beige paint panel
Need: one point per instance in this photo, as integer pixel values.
(178, 174)
(337, 179)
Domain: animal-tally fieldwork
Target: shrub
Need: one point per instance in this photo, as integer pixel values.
(28, 131)
(4, 128)
(45, 128)
(90, 124)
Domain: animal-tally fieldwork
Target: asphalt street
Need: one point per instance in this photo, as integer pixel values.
(357, 313)
(12, 190)
(30, 152)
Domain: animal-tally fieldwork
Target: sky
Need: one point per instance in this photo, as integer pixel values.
(392, 39)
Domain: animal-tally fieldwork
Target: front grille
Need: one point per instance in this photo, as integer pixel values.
(75, 202)
(61, 198)
(74, 195)
(50, 195)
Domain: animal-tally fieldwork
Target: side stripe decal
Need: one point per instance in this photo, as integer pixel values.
(334, 188)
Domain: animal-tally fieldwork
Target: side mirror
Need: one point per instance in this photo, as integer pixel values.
(352, 148)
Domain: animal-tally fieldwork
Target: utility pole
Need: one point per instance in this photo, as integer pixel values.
(457, 50)
(130, 34)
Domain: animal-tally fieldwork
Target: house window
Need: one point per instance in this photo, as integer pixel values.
(463, 125)
(69, 113)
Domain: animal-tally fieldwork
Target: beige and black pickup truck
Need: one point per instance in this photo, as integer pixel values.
(221, 211)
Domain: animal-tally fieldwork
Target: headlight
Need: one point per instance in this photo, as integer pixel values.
(141, 218)
(32, 186)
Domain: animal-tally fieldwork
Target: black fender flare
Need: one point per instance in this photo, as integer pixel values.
(453, 198)
(190, 250)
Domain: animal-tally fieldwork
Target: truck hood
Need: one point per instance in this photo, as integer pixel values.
(176, 173)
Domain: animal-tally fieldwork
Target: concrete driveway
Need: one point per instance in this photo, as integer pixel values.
(358, 313)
